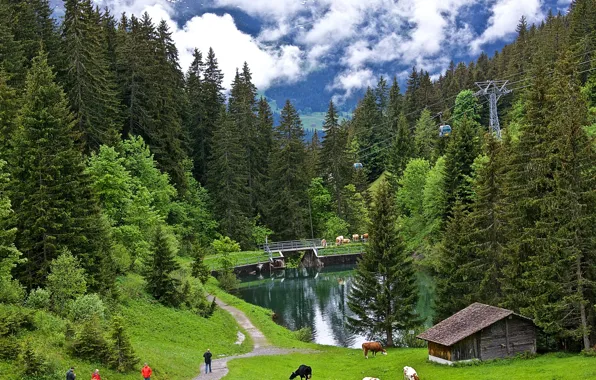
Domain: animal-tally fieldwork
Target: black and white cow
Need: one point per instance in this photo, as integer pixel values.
(303, 371)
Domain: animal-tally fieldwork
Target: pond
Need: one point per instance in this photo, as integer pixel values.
(316, 298)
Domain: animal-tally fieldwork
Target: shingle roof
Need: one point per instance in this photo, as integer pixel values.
(465, 323)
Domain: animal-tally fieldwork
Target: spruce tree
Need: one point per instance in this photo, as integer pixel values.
(52, 195)
(384, 294)
(196, 109)
(213, 100)
(261, 154)
(288, 181)
(121, 356)
(8, 111)
(426, 136)
(366, 117)
(227, 180)
(159, 267)
(334, 160)
(403, 148)
(558, 275)
(90, 85)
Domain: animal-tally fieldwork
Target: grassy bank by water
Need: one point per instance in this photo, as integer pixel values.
(344, 363)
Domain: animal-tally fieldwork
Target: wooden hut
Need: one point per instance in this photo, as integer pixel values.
(480, 332)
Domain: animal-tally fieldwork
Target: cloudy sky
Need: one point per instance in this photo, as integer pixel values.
(286, 41)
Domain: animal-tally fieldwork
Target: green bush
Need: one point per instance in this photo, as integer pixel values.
(13, 319)
(86, 307)
(34, 365)
(38, 299)
(11, 291)
(304, 334)
(590, 352)
(89, 342)
(228, 281)
(195, 298)
(9, 348)
(66, 281)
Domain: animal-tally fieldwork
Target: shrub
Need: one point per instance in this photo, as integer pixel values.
(86, 307)
(195, 298)
(13, 319)
(66, 281)
(38, 299)
(304, 334)
(121, 356)
(228, 281)
(34, 365)
(89, 343)
(11, 291)
(590, 352)
(9, 348)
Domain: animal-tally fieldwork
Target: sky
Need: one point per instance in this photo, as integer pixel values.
(353, 42)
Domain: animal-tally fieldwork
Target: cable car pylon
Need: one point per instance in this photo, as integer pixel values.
(493, 90)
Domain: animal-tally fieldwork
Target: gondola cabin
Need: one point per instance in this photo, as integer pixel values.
(357, 165)
(444, 131)
(480, 332)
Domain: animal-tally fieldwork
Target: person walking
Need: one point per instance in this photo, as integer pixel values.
(70, 375)
(95, 375)
(207, 355)
(146, 372)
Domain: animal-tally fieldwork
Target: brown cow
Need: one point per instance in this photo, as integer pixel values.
(373, 347)
(355, 237)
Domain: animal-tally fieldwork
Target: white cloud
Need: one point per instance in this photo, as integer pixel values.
(504, 20)
(231, 46)
(350, 81)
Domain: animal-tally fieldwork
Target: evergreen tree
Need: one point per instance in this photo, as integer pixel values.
(334, 161)
(403, 148)
(227, 180)
(8, 111)
(366, 117)
(384, 294)
(159, 267)
(89, 82)
(559, 273)
(213, 100)
(288, 212)
(426, 137)
(52, 197)
(261, 154)
(196, 109)
(90, 343)
(313, 157)
(121, 356)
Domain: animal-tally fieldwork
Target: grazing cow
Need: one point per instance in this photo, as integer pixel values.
(373, 347)
(339, 240)
(303, 371)
(324, 243)
(410, 373)
(346, 241)
(365, 237)
(355, 237)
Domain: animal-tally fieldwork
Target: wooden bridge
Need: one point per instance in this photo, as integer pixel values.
(292, 245)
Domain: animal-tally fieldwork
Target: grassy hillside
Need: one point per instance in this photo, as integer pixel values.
(171, 341)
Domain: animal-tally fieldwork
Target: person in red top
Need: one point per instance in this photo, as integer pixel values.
(95, 375)
(146, 372)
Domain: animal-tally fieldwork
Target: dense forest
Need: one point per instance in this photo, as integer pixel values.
(114, 159)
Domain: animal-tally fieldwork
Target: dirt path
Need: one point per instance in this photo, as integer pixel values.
(261, 347)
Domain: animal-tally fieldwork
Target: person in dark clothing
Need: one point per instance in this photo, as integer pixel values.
(70, 375)
(207, 355)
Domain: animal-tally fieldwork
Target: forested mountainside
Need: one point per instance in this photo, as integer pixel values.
(115, 160)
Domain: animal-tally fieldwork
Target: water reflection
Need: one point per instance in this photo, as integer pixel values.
(316, 298)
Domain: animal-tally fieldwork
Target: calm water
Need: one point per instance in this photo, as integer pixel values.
(315, 298)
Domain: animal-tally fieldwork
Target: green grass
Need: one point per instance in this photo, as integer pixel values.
(239, 258)
(261, 318)
(342, 249)
(349, 364)
(172, 341)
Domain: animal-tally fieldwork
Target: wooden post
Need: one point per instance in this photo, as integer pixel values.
(507, 334)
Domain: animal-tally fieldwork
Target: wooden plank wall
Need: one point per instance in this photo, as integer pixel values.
(507, 337)
(466, 349)
(439, 351)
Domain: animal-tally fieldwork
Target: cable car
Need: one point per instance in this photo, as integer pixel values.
(357, 165)
(444, 130)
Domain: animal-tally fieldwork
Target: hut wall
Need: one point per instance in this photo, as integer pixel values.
(507, 337)
(466, 349)
(439, 351)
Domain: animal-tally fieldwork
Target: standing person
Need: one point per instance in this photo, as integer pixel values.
(70, 375)
(207, 355)
(95, 375)
(146, 372)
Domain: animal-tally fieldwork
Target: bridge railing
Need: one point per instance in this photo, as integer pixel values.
(291, 245)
